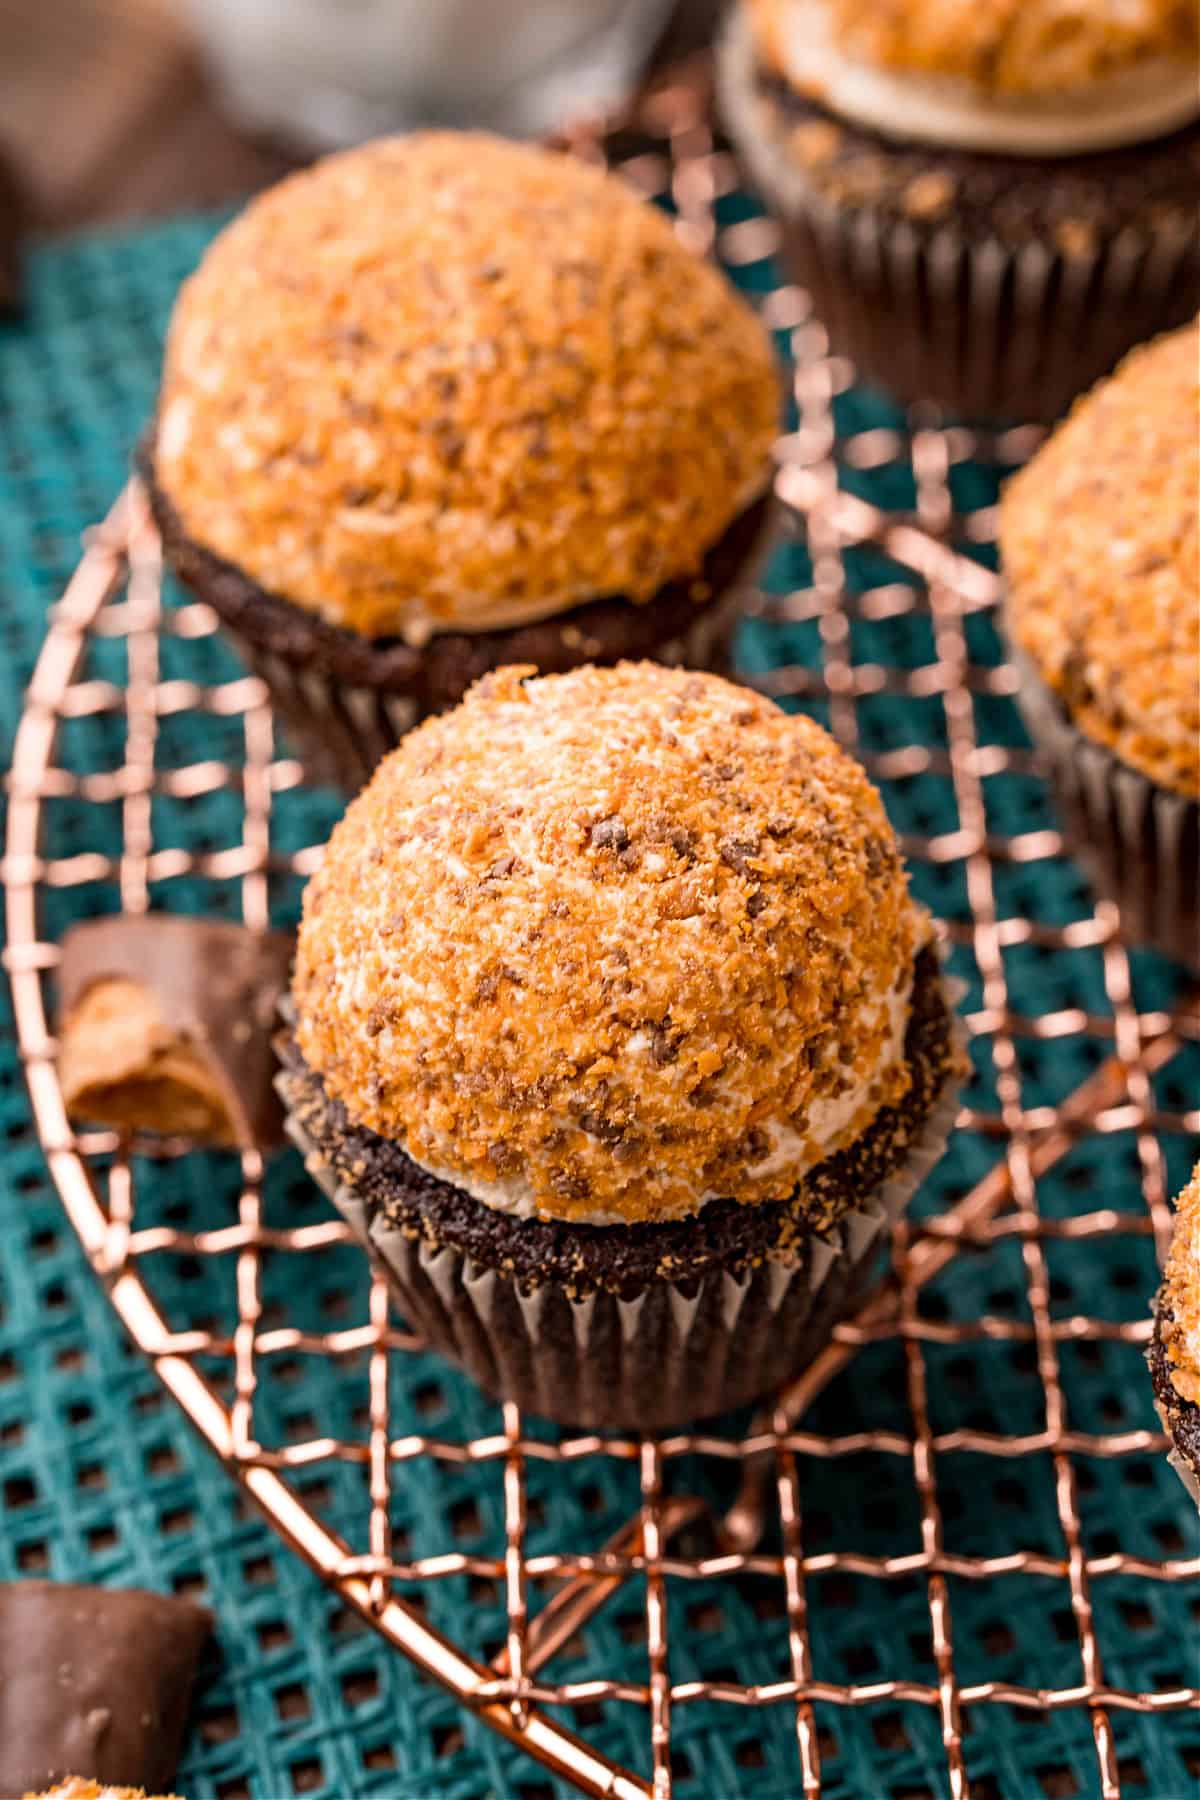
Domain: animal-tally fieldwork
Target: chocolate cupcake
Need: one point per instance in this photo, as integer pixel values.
(446, 402)
(1099, 539)
(990, 201)
(1174, 1355)
(618, 1039)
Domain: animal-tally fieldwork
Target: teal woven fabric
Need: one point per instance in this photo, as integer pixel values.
(101, 1481)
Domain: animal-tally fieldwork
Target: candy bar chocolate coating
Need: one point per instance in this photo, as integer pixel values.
(94, 1682)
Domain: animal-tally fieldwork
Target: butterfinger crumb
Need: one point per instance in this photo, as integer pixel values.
(927, 196)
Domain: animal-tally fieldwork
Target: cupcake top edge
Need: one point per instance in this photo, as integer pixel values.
(450, 383)
(1100, 544)
(1042, 77)
(606, 945)
(1181, 1294)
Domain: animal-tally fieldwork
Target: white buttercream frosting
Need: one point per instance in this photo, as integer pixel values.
(1134, 106)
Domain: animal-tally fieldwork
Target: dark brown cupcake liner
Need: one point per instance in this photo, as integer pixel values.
(1180, 1417)
(930, 310)
(347, 700)
(1139, 843)
(674, 1352)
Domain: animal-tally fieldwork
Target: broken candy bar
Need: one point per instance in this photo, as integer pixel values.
(95, 1682)
(166, 1024)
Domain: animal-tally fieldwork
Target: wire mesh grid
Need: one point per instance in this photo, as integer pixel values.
(888, 634)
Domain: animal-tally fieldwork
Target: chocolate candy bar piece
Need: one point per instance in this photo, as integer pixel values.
(166, 1024)
(94, 1682)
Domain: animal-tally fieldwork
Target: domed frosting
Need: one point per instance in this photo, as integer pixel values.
(602, 946)
(450, 383)
(1101, 546)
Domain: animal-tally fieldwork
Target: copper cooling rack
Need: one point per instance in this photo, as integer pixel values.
(115, 595)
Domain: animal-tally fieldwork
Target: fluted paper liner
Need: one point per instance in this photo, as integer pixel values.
(1182, 1466)
(1138, 842)
(982, 328)
(674, 1352)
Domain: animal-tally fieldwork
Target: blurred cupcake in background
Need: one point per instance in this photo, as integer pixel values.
(1174, 1354)
(618, 1039)
(990, 201)
(1100, 544)
(446, 402)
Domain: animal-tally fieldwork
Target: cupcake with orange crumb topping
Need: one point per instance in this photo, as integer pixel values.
(445, 402)
(618, 1039)
(1174, 1355)
(1100, 541)
(989, 201)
